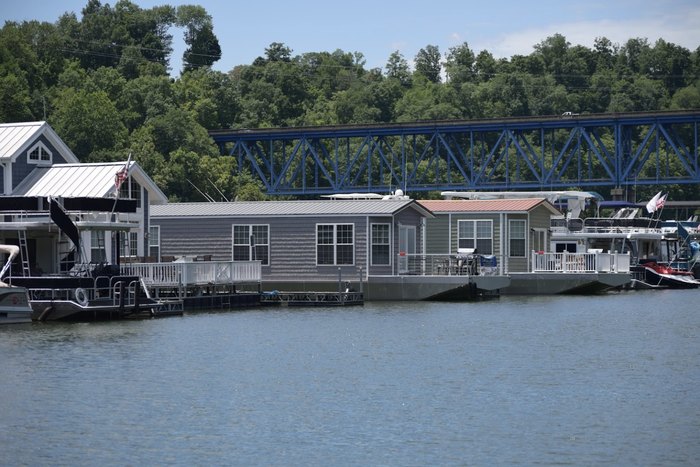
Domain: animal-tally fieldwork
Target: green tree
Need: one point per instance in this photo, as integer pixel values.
(397, 68)
(202, 45)
(668, 62)
(87, 121)
(427, 101)
(428, 63)
(485, 66)
(14, 99)
(687, 97)
(459, 64)
(553, 52)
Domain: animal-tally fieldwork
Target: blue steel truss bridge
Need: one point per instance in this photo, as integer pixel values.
(529, 153)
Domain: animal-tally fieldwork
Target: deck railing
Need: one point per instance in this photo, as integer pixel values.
(566, 262)
(460, 265)
(195, 273)
(447, 265)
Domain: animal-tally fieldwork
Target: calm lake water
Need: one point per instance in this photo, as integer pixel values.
(602, 380)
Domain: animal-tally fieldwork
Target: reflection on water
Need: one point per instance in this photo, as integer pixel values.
(519, 380)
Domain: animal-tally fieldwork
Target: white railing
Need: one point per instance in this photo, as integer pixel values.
(461, 265)
(580, 262)
(447, 265)
(195, 273)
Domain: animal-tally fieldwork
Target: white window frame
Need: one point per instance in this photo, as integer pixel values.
(511, 238)
(42, 151)
(373, 243)
(153, 241)
(476, 237)
(95, 249)
(133, 244)
(335, 244)
(253, 251)
(131, 189)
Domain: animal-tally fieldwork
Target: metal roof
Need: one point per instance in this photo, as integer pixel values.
(83, 180)
(286, 208)
(70, 180)
(487, 205)
(16, 137)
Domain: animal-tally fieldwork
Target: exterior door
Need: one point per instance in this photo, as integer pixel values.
(407, 246)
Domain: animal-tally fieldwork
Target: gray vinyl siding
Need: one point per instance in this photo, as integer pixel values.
(193, 237)
(540, 218)
(292, 243)
(21, 168)
(441, 233)
(293, 248)
(438, 235)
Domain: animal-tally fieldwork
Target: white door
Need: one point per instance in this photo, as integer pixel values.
(407, 246)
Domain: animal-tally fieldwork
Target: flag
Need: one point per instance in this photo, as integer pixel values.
(682, 232)
(661, 202)
(122, 175)
(651, 205)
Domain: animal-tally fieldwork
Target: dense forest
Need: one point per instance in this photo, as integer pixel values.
(103, 83)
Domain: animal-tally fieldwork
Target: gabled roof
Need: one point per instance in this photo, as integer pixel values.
(287, 208)
(487, 205)
(16, 138)
(84, 180)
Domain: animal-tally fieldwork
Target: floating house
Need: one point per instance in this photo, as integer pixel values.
(513, 237)
(72, 223)
(371, 245)
(37, 167)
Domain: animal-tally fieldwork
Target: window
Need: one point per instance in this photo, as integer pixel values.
(335, 244)
(154, 241)
(131, 189)
(133, 243)
(516, 238)
(251, 243)
(97, 246)
(475, 234)
(39, 154)
(381, 248)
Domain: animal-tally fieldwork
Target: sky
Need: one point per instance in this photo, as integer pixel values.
(377, 28)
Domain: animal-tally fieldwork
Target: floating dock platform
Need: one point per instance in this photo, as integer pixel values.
(312, 298)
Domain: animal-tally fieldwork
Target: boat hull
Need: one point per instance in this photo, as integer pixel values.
(87, 299)
(14, 305)
(658, 276)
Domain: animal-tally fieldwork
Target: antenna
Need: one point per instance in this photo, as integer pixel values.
(206, 196)
(217, 189)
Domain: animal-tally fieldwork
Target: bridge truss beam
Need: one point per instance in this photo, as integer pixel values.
(539, 153)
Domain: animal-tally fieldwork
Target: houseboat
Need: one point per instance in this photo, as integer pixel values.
(516, 231)
(375, 245)
(72, 223)
(652, 252)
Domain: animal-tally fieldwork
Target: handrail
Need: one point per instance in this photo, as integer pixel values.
(566, 262)
(461, 265)
(448, 264)
(195, 273)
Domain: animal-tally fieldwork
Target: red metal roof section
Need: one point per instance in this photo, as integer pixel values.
(482, 205)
